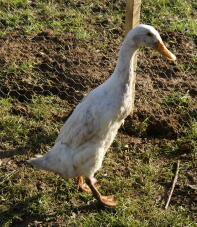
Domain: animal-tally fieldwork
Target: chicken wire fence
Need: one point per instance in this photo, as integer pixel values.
(54, 52)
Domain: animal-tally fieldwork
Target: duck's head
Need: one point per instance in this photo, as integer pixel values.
(146, 35)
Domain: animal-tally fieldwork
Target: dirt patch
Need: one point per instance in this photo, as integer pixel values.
(158, 79)
(69, 68)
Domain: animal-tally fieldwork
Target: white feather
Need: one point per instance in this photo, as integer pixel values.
(87, 134)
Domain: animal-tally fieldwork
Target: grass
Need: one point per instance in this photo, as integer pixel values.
(139, 173)
(25, 67)
(177, 15)
(31, 18)
(178, 100)
(21, 15)
(185, 145)
(39, 195)
(26, 130)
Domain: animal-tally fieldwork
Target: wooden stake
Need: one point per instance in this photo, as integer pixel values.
(173, 185)
(132, 18)
(132, 14)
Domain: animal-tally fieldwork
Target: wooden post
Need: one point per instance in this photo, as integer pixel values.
(132, 14)
(131, 20)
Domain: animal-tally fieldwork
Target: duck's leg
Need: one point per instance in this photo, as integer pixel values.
(82, 185)
(104, 200)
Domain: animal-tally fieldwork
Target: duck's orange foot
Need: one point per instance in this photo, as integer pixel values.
(108, 200)
(85, 188)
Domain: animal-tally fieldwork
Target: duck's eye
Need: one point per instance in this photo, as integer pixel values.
(149, 34)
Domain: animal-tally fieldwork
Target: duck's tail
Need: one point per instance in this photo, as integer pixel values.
(58, 159)
(38, 162)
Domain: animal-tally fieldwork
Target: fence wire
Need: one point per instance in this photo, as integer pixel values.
(52, 53)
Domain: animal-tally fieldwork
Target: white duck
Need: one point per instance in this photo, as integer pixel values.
(87, 134)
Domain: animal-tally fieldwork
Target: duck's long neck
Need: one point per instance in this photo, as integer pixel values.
(124, 75)
(124, 71)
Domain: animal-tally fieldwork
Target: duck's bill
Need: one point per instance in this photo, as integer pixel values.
(165, 52)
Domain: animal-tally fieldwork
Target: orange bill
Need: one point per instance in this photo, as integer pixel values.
(165, 52)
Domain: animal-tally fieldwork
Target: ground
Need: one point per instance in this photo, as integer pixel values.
(54, 53)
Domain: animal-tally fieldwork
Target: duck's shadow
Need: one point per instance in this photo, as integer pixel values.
(37, 138)
(94, 206)
(17, 213)
(21, 214)
(12, 152)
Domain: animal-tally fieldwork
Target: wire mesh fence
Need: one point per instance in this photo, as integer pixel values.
(52, 53)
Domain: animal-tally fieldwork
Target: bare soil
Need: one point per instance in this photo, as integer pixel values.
(69, 68)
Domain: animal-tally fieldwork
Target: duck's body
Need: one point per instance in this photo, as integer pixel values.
(88, 133)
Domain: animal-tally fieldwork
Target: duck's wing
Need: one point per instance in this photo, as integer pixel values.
(81, 126)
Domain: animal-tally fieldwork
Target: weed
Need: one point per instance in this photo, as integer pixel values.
(142, 126)
(178, 100)
(185, 145)
(25, 67)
